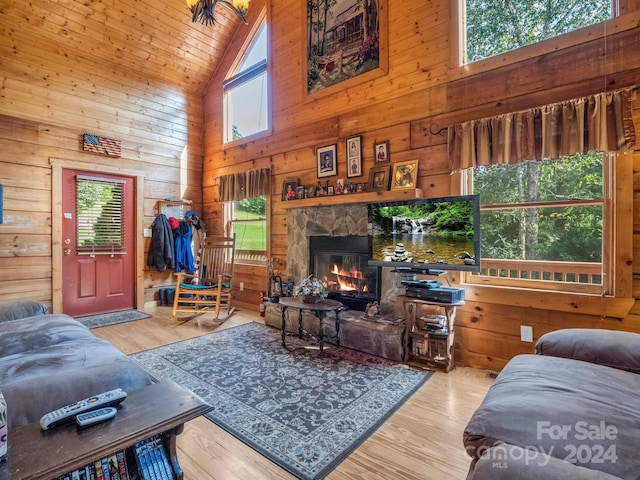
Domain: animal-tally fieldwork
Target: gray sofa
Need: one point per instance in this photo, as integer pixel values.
(570, 411)
(48, 361)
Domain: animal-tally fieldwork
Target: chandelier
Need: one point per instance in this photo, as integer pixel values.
(203, 10)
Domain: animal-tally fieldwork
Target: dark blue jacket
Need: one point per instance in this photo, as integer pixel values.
(161, 254)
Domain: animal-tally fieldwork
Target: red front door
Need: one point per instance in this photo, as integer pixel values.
(98, 262)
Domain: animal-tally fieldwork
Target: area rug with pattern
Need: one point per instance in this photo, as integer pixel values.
(112, 318)
(302, 410)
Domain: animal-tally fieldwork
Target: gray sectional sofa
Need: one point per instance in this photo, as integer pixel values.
(48, 361)
(570, 411)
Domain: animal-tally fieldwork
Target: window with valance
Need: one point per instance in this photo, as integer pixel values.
(601, 123)
(546, 178)
(245, 213)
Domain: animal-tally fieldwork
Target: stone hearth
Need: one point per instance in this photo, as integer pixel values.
(337, 221)
(376, 337)
(356, 331)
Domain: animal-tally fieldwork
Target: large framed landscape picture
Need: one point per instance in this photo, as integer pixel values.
(346, 42)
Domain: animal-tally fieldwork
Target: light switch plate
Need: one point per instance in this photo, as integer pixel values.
(526, 333)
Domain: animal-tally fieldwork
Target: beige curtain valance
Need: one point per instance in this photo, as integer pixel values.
(251, 184)
(601, 122)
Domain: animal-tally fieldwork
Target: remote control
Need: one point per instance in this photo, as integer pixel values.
(68, 412)
(95, 416)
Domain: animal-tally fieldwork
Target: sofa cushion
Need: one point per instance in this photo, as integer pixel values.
(52, 361)
(611, 348)
(34, 333)
(568, 409)
(14, 309)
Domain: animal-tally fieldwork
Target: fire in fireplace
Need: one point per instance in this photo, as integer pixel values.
(342, 262)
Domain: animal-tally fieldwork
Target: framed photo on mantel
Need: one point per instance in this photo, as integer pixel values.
(379, 178)
(381, 152)
(405, 175)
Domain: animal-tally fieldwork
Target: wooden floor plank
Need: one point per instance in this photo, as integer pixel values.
(421, 441)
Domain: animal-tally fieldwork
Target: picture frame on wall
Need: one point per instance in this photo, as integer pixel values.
(405, 175)
(289, 190)
(379, 178)
(381, 152)
(329, 68)
(327, 160)
(354, 156)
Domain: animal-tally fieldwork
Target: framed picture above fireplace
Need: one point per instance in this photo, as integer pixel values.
(289, 190)
(327, 161)
(379, 178)
(354, 156)
(405, 175)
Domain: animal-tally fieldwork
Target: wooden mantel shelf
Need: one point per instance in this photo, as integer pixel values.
(353, 198)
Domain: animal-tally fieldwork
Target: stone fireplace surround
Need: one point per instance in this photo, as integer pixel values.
(356, 331)
(336, 221)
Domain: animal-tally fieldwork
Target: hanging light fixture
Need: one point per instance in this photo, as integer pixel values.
(203, 10)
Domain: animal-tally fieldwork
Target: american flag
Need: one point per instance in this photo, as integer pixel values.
(101, 145)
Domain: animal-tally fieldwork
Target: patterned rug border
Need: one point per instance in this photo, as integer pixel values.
(343, 354)
(112, 318)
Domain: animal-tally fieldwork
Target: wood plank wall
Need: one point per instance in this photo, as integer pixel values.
(51, 93)
(422, 92)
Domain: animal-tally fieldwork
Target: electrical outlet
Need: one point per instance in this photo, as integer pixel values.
(526, 333)
(242, 286)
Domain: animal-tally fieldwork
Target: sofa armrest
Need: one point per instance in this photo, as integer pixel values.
(510, 462)
(16, 309)
(610, 348)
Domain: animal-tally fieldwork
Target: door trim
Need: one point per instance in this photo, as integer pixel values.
(57, 165)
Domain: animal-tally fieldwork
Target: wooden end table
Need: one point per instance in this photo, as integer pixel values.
(319, 309)
(163, 408)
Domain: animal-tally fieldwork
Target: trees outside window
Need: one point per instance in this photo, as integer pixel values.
(544, 221)
(246, 94)
(498, 26)
(247, 219)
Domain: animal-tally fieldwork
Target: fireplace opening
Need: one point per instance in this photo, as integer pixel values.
(342, 262)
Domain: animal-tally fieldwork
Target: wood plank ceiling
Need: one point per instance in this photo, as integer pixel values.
(156, 37)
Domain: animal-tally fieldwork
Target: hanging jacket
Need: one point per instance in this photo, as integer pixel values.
(184, 253)
(161, 254)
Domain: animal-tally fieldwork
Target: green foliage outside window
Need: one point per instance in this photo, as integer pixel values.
(250, 224)
(498, 26)
(99, 214)
(516, 224)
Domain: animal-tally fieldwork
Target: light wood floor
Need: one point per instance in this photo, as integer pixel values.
(421, 441)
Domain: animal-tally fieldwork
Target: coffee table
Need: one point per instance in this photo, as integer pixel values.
(319, 309)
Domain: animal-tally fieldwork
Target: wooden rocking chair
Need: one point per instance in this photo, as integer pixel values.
(209, 287)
